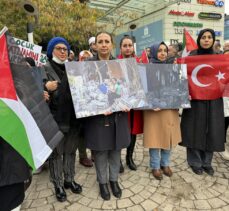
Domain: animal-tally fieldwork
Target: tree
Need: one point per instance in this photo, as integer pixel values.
(69, 19)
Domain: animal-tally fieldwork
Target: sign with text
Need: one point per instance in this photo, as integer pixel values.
(210, 16)
(217, 3)
(187, 24)
(181, 13)
(28, 49)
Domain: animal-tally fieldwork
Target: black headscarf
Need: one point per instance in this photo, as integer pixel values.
(201, 50)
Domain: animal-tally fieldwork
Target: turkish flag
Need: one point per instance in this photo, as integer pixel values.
(208, 76)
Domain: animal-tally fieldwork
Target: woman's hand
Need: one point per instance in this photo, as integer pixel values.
(157, 109)
(51, 85)
(106, 113)
(46, 95)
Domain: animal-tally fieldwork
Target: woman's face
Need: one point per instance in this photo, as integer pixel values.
(206, 41)
(162, 53)
(60, 51)
(104, 44)
(127, 48)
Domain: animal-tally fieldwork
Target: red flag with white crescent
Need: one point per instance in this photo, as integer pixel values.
(208, 76)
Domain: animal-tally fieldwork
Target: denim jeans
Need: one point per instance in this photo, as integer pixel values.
(159, 157)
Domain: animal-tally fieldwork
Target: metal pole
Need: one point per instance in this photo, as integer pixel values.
(30, 32)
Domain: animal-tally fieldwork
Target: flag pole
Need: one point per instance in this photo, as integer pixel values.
(3, 31)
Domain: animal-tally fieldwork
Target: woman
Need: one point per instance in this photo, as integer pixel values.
(135, 117)
(161, 127)
(62, 160)
(107, 134)
(202, 126)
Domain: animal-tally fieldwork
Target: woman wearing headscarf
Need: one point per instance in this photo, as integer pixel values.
(62, 160)
(135, 117)
(202, 125)
(161, 127)
(107, 134)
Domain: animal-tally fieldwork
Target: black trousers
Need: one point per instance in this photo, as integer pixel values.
(199, 158)
(62, 159)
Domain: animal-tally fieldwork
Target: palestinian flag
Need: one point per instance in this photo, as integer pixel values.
(25, 119)
(188, 44)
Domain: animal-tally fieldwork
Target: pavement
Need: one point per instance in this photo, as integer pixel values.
(183, 191)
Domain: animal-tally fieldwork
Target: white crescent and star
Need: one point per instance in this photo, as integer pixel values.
(197, 69)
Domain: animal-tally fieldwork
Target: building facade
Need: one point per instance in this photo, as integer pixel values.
(168, 23)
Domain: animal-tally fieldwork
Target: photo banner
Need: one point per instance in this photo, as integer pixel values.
(165, 85)
(101, 86)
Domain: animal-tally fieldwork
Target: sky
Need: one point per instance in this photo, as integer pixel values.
(226, 6)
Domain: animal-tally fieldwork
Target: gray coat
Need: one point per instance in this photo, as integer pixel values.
(202, 126)
(107, 132)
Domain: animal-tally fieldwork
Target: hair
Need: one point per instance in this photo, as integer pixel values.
(175, 46)
(126, 37)
(104, 32)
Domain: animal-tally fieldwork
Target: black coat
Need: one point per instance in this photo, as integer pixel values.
(202, 126)
(61, 104)
(13, 168)
(107, 132)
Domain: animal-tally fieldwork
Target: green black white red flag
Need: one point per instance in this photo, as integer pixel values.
(188, 44)
(25, 119)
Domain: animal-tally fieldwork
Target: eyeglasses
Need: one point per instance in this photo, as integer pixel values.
(61, 49)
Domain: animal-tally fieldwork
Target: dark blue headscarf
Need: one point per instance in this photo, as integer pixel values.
(153, 52)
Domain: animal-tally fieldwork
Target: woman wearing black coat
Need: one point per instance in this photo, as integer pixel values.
(202, 126)
(62, 160)
(107, 134)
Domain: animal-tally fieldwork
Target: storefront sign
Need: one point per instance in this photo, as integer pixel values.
(187, 24)
(186, 1)
(181, 31)
(181, 13)
(210, 16)
(217, 3)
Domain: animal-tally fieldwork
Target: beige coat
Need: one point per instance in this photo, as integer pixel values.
(161, 129)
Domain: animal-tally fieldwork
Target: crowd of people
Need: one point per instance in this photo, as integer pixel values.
(202, 129)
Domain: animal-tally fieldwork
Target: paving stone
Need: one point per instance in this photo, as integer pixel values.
(26, 204)
(127, 184)
(184, 191)
(216, 203)
(187, 204)
(127, 193)
(137, 199)
(145, 194)
(74, 207)
(42, 187)
(45, 193)
(33, 195)
(135, 208)
(38, 203)
(47, 207)
(60, 206)
(149, 205)
(109, 205)
(137, 188)
(96, 204)
(202, 204)
(124, 203)
(84, 201)
(158, 198)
